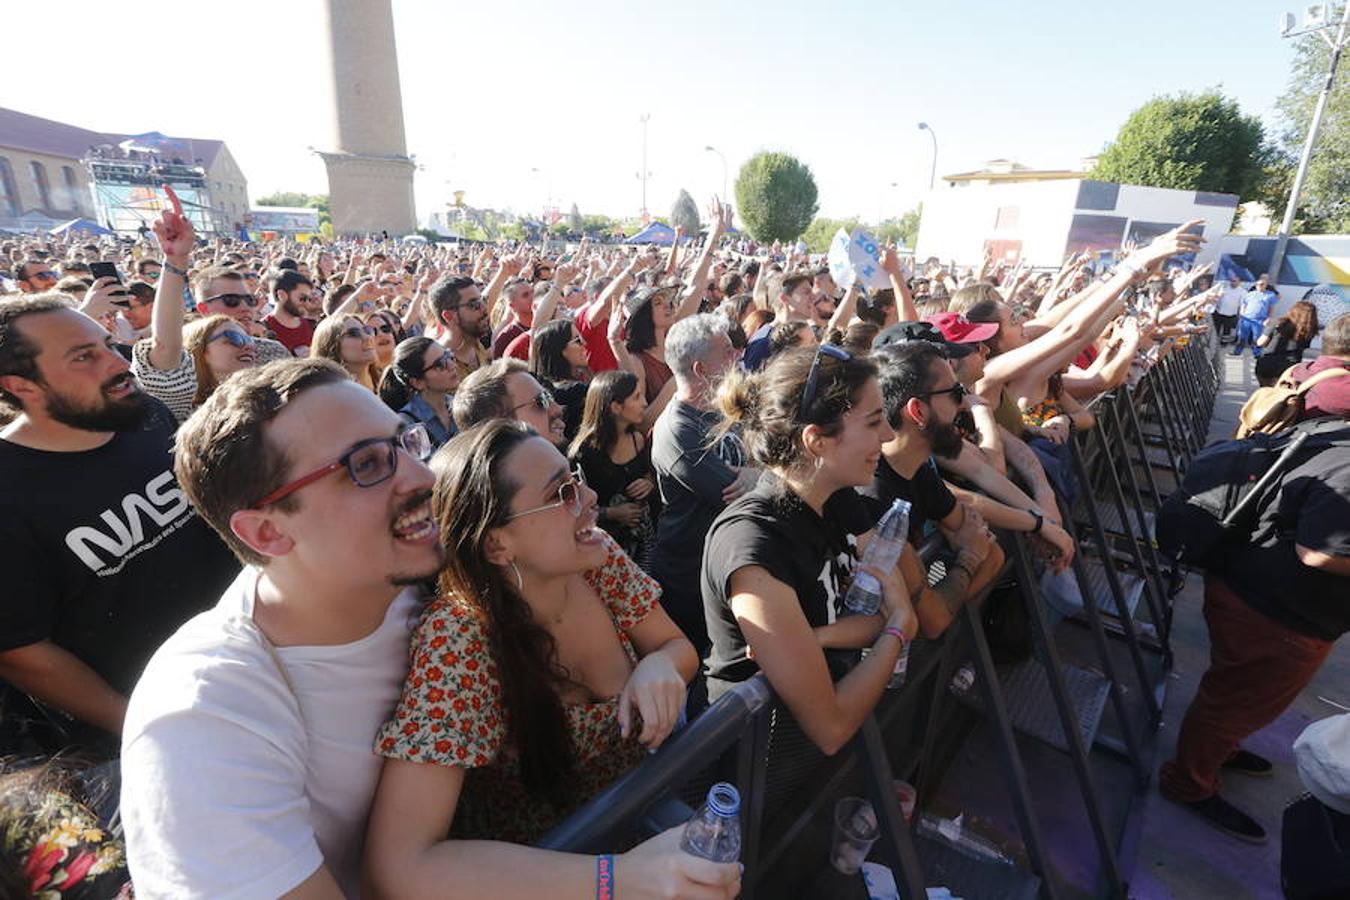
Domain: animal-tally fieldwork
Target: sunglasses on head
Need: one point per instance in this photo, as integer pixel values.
(233, 338)
(813, 377)
(232, 301)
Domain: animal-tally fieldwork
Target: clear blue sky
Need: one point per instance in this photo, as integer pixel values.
(491, 90)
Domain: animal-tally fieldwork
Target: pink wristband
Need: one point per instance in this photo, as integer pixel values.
(896, 633)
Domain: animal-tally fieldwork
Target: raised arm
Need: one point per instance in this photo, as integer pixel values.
(720, 217)
(176, 239)
(890, 264)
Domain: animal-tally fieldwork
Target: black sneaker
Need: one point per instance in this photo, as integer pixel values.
(1229, 819)
(1245, 762)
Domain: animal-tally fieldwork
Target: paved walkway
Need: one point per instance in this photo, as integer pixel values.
(1179, 856)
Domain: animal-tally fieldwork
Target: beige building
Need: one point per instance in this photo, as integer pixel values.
(43, 180)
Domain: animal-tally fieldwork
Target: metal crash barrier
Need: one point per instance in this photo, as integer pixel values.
(1086, 699)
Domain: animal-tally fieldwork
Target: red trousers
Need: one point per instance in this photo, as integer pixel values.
(1256, 668)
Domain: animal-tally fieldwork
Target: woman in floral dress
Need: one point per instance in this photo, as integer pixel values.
(544, 669)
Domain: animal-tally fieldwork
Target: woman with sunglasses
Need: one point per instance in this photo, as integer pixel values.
(418, 385)
(214, 348)
(778, 561)
(544, 669)
(614, 455)
(387, 335)
(350, 343)
(558, 362)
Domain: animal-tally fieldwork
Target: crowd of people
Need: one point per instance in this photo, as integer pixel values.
(365, 563)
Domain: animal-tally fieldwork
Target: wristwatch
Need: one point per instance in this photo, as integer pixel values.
(1040, 520)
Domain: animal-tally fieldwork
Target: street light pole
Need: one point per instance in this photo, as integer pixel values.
(724, 170)
(932, 172)
(1282, 239)
(643, 174)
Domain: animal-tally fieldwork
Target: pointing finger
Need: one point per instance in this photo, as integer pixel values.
(173, 199)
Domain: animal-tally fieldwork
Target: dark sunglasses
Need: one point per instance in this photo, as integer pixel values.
(368, 463)
(354, 332)
(384, 328)
(543, 400)
(233, 338)
(445, 362)
(232, 301)
(958, 392)
(813, 377)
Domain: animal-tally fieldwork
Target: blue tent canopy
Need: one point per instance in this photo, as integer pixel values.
(655, 233)
(1228, 267)
(85, 226)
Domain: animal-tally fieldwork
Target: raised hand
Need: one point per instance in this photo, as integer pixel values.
(173, 230)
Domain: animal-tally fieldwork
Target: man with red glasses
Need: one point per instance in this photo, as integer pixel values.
(246, 759)
(221, 291)
(103, 557)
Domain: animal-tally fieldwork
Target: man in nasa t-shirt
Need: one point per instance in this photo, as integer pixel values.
(101, 554)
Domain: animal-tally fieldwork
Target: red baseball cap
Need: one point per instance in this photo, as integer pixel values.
(960, 330)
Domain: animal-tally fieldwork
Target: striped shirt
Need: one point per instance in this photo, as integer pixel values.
(177, 387)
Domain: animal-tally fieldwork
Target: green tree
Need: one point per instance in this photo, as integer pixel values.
(1324, 205)
(684, 214)
(822, 230)
(775, 196)
(1191, 142)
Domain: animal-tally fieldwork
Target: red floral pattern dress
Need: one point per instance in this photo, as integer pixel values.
(451, 712)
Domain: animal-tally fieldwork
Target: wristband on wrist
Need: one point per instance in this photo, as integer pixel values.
(181, 273)
(1040, 521)
(897, 633)
(604, 877)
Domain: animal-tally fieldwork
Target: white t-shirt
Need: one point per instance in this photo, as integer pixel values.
(240, 779)
(1230, 301)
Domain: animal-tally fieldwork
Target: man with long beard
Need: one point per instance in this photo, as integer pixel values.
(103, 557)
(922, 398)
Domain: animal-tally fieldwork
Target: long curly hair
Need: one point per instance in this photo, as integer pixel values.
(472, 497)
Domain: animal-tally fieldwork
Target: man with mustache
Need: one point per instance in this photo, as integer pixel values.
(102, 554)
(247, 768)
(922, 398)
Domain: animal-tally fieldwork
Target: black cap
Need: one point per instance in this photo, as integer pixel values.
(907, 332)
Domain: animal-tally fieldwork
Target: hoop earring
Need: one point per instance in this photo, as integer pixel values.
(520, 582)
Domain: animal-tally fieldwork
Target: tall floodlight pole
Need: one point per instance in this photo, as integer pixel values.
(724, 170)
(1282, 240)
(932, 172)
(644, 173)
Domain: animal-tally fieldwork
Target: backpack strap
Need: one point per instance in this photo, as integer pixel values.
(1319, 377)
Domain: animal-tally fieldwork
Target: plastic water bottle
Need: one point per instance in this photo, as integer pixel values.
(864, 594)
(715, 830)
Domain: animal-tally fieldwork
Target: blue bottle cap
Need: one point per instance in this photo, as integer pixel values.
(724, 799)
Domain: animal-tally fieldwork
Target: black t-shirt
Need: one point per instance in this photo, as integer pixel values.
(773, 528)
(929, 497)
(691, 475)
(1312, 508)
(101, 553)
